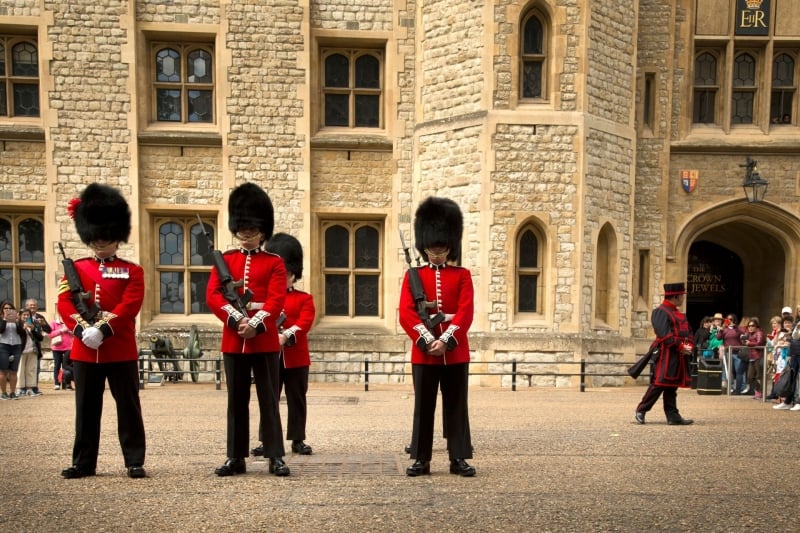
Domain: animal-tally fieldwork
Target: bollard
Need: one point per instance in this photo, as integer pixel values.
(513, 375)
(366, 374)
(583, 375)
(141, 371)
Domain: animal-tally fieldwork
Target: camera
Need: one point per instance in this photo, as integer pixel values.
(743, 337)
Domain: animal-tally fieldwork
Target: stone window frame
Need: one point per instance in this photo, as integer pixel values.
(13, 265)
(538, 270)
(351, 225)
(541, 57)
(353, 54)
(184, 270)
(8, 79)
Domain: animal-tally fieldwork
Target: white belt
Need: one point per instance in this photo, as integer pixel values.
(448, 317)
(257, 306)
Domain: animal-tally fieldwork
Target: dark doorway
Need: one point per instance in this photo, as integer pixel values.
(715, 280)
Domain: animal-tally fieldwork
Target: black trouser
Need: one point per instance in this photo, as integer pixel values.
(295, 382)
(90, 384)
(670, 401)
(454, 380)
(264, 369)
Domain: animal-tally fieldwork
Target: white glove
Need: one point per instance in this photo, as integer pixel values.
(92, 337)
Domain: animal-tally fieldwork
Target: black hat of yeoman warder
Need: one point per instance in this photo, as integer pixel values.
(101, 214)
(250, 207)
(290, 250)
(674, 289)
(438, 222)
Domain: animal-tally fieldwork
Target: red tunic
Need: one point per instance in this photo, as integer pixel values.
(117, 286)
(264, 274)
(672, 331)
(452, 294)
(300, 312)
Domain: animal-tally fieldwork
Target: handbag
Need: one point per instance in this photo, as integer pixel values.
(783, 387)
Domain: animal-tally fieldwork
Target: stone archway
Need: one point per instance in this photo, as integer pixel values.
(750, 250)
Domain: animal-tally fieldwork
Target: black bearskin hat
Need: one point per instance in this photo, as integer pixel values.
(250, 207)
(438, 221)
(101, 214)
(290, 251)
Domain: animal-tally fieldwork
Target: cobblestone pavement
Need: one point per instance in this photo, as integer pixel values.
(547, 460)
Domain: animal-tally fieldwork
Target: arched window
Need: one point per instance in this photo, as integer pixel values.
(783, 89)
(183, 83)
(352, 268)
(19, 77)
(744, 88)
(183, 264)
(352, 88)
(529, 250)
(705, 88)
(533, 57)
(22, 258)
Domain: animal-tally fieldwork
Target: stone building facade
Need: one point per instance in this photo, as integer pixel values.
(596, 149)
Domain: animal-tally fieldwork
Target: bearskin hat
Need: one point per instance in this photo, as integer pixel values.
(438, 221)
(101, 214)
(290, 250)
(250, 207)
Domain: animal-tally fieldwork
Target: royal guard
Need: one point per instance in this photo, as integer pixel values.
(440, 348)
(104, 329)
(671, 352)
(249, 313)
(295, 360)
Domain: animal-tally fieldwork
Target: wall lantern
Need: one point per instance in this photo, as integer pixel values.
(755, 187)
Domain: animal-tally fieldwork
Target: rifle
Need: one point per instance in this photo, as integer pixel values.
(229, 286)
(418, 293)
(79, 297)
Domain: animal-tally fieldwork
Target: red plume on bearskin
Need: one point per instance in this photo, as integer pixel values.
(73, 206)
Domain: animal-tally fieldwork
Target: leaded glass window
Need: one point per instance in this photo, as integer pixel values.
(533, 57)
(19, 77)
(529, 270)
(183, 265)
(352, 268)
(22, 258)
(352, 88)
(183, 83)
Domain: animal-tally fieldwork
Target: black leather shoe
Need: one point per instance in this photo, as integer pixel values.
(258, 451)
(75, 472)
(231, 468)
(462, 468)
(408, 448)
(278, 467)
(419, 468)
(301, 447)
(136, 472)
(639, 417)
(680, 422)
